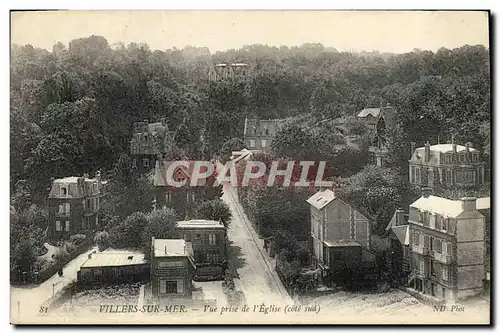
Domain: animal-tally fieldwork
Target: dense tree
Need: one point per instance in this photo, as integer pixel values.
(162, 224)
(128, 233)
(213, 210)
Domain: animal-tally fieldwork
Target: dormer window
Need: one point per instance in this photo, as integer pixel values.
(64, 191)
(474, 157)
(145, 137)
(448, 158)
(462, 157)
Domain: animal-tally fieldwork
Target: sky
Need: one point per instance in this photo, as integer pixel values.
(384, 31)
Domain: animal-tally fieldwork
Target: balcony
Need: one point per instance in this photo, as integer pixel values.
(419, 249)
(443, 258)
(422, 274)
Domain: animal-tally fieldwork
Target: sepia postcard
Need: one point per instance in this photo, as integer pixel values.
(250, 167)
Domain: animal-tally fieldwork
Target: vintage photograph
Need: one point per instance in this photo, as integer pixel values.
(250, 167)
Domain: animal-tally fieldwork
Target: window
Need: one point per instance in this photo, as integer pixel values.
(264, 142)
(97, 273)
(448, 158)
(168, 196)
(58, 225)
(213, 257)
(134, 163)
(88, 205)
(438, 222)
(197, 237)
(212, 238)
(445, 273)
(168, 286)
(145, 162)
(252, 143)
(417, 175)
(448, 176)
(416, 238)
(266, 131)
(64, 209)
(64, 191)
(474, 157)
(145, 137)
(67, 225)
(462, 157)
(439, 246)
(444, 225)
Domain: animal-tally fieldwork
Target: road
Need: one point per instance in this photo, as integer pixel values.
(257, 277)
(26, 301)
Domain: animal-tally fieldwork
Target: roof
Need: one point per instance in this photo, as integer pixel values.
(402, 233)
(171, 247)
(73, 179)
(113, 260)
(321, 199)
(342, 243)
(200, 223)
(443, 148)
(374, 112)
(483, 203)
(73, 190)
(443, 206)
(160, 173)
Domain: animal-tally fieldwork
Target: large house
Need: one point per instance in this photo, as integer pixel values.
(208, 239)
(258, 133)
(446, 165)
(185, 197)
(340, 239)
(149, 140)
(172, 268)
(73, 206)
(447, 247)
(227, 72)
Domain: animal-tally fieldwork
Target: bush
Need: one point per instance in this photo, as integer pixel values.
(77, 239)
(102, 240)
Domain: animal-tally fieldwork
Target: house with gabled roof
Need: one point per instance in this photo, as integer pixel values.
(340, 236)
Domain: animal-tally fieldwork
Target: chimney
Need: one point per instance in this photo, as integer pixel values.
(453, 145)
(426, 192)
(81, 185)
(427, 151)
(165, 249)
(400, 217)
(469, 204)
(90, 256)
(152, 246)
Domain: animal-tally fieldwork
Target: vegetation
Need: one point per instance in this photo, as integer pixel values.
(214, 209)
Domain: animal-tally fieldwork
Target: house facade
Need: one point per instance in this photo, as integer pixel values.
(181, 196)
(446, 165)
(172, 268)
(340, 238)
(258, 134)
(447, 247)
(73, 204)
(397, 255)
(228, 72)
(149, 140)
(369, 116)
(209, 242)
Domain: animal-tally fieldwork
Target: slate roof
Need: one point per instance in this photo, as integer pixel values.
(402, 232)
(321, 199)
(200, 224)
(374, 112)
(443, 206)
